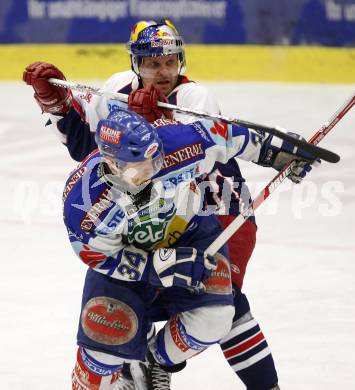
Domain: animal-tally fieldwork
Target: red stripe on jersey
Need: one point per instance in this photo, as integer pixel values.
(244, 346)
(79, 109)
(88, 157)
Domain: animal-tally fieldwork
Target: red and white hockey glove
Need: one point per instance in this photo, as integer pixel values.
(51, 99)
(144, 102)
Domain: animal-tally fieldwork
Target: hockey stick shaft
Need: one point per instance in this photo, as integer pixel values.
(276, 181)
(317, 152)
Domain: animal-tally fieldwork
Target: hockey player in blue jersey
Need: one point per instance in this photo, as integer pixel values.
(121, 207)
(72, 121)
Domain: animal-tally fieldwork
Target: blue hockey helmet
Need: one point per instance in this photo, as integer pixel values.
(132, 149)
(155, 39)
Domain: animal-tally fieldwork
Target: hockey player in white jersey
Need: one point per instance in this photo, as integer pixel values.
(158, 60)
(120, 207)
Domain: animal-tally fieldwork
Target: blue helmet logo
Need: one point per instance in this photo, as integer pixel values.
(131, 148)
(126, 136)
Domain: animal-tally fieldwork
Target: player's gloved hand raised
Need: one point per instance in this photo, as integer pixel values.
(181, 267)
(144, 102)
(277, 153)
(51, 99)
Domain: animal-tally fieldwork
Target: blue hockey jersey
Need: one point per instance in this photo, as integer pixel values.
(114, 232)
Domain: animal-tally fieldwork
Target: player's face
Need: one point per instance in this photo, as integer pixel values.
(131, 177)
(133, 173)
(162, 72)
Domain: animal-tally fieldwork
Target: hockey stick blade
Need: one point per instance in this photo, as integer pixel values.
(314, 150)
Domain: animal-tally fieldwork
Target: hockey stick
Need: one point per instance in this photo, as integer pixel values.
(276, 181)
(321, 153)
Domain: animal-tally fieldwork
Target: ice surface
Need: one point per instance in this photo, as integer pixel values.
(300, 281)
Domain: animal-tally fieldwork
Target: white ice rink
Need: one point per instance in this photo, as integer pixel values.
(300, 281)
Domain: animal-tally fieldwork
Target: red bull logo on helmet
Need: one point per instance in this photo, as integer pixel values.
(160, 34)
(165, 42)
(110, 135)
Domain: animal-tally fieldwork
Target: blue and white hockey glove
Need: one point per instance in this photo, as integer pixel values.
(277, 153)
(181, 267)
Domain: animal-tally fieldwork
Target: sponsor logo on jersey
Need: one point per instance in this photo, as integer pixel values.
(150, 225)
(74, 178)
(110, 135)
(111, 222)
(91, 218)
(220, 280)
(109, 321)
(160, 206)
(163, 122)
(181, 155)
(201, 130)
(149, 233)
(176, 177)
(176, 228)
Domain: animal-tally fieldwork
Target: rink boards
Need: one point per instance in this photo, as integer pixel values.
(205, 62)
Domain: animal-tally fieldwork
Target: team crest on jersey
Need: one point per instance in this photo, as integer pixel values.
(220, 128)
(220, 280)
(149, 226)
(109, 321)
(220, 132)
